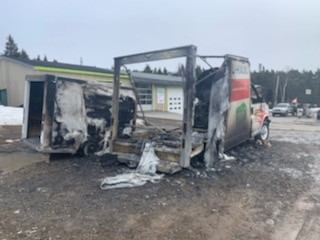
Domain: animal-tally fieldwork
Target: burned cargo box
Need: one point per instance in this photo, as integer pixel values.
(203, 87)
(65, 115)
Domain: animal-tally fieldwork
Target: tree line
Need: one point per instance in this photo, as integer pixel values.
(12, 50)
(180, 71)
(292, 84)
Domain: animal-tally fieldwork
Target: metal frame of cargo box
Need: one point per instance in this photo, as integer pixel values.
(190, 53)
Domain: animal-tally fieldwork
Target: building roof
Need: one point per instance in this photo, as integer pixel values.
(138, 77)
(37, 63)
(141, 77)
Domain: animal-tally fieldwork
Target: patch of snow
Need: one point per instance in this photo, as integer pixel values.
(140, 122)
(9, 141)
(225, 158)
(11, 115)
(296, 137)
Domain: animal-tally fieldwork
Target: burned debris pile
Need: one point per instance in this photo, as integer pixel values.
(145, 171)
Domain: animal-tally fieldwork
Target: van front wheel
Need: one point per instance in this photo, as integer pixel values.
(264, 134)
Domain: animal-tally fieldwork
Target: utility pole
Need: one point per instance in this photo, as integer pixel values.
(276, 93)
(284, 90)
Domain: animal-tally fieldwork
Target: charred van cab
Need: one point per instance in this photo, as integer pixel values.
(229, 89)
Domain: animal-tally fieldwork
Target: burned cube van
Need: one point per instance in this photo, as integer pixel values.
(221, 109)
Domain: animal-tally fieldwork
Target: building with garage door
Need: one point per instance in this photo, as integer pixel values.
(159, 92)
(13, 73)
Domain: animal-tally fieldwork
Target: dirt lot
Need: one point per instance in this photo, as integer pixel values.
(270, 192)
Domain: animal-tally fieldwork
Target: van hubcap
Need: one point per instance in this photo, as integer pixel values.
(264, 132)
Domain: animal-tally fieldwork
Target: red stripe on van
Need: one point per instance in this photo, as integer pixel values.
(240, 89)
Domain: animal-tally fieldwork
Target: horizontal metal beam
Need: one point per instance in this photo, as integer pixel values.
(155, 55)
(210, 56)
(230, 56)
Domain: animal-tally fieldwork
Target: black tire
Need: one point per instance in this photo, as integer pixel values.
(90, 148)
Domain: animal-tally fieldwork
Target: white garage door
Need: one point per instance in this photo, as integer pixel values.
(175, 100)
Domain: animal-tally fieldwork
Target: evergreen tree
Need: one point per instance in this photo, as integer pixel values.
(155, 70)
(159, 71)
(23, 54)
(165, 71)
(38, 58)
(11, 48)
(181, 70)
(199, 70)
(147, 69)
(45, 58)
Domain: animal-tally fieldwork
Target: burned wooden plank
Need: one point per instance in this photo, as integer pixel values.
(168, 154)
(126, 147)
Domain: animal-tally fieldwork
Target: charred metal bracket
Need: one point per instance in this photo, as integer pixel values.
(190, 53)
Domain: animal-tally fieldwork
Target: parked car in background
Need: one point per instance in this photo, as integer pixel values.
(282, 109)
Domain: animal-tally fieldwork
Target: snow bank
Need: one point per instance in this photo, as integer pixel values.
(11, 115)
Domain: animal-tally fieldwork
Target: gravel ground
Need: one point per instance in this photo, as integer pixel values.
(269, 192)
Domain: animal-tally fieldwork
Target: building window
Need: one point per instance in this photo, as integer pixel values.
(145, 93)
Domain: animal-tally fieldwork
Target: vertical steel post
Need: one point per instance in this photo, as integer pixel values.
(115, 105)
(190, 78)
(26, 108)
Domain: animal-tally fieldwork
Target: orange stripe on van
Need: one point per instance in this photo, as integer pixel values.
(240, 89)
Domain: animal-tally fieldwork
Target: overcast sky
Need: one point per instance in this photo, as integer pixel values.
(276, 33)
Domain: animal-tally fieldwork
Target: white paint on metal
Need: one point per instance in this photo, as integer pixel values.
(146, 171)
